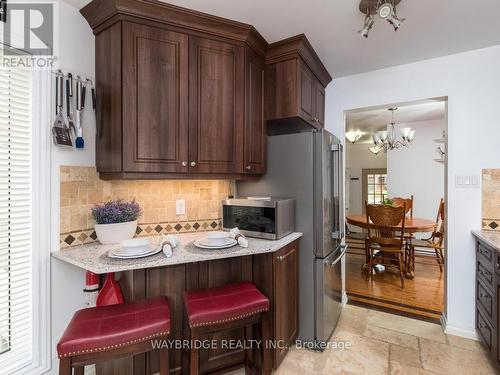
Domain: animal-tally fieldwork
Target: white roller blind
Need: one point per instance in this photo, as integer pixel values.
(16, 313)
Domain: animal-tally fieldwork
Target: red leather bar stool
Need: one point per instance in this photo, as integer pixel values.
(229, 307)
(104, 333)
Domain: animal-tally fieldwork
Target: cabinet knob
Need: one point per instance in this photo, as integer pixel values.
(184, 163)
(248, 167)
(497, 265)
(193, 164)
(280, 258)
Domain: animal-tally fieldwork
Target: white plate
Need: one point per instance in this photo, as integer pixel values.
(156, 250)
(139, 252)
(200, 244)
(206, 242)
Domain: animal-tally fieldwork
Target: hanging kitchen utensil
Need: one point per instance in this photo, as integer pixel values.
(69, 109)
(80, 98)
(60, 132)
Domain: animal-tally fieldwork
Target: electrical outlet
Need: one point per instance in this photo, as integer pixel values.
(180, 207)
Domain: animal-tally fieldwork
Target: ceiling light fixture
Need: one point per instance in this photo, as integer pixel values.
(387, 139)
(353, 136)
(386, 10)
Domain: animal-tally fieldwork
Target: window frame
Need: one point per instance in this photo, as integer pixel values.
(365, 173)
(41, 219)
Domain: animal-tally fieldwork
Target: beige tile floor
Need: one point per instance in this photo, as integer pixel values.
(383, 343)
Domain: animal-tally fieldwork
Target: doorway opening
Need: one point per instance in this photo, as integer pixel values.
(396, 153)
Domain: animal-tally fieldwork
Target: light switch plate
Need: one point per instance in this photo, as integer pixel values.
(180, 207)
(467, 181)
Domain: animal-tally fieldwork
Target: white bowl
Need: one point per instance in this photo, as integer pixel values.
(216, 238)
(135, 245)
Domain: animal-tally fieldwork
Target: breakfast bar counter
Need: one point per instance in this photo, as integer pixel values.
(272, 266)
(94, 257)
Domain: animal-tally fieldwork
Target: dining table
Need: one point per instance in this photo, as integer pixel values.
(413, 225)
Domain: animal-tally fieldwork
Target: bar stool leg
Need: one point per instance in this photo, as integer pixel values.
(65, 366)
(164, 366)
(194, 354)
(249, 357)
(266, 336)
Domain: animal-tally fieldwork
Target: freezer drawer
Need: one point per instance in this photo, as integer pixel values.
(328, 293)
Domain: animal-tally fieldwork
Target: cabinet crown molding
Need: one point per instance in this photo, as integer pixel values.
(100, 14)
(295, 47)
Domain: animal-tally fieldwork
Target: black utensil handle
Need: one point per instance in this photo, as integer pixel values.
(60, 96)
(84, 90)
(94, 104)
(67, 97)
(78, 95)
(57, 94)
(70, 78)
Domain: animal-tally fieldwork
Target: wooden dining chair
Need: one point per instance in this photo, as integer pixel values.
(436, 240)
(386, 223)
(398, 201)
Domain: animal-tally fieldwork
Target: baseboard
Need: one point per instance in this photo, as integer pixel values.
(344, 298)
(457, 331)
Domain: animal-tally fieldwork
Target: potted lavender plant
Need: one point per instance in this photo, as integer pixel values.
(116, 221)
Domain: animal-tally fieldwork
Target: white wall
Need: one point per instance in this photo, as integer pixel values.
(471, 81)
(357, 158)
(413, 171)
(74, 47)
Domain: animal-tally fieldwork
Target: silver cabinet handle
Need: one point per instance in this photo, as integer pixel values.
(184, 163)
(248, 167)
(282, 257)
(193, 164)
(484, 296)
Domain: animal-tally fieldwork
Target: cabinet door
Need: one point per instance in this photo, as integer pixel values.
(286, 289)
(155, 99)
(306, 83)
(216, 106)
(255, 126)
(319, 104)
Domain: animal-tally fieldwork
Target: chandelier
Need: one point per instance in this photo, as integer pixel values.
(385, 9)
(387, 139)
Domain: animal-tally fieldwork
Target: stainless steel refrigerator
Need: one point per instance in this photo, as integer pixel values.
(308, 167)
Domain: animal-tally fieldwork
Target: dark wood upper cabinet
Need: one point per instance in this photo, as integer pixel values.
(255, 126)
(155, 99)
(179, 92)
(295, 81)
(216, 107)
(183, 94)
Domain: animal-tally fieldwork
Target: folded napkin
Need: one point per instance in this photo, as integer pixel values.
(235, 233)
(168, 242)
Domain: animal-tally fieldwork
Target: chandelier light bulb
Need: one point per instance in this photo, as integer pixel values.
(353, 136)
(395, 21)
(369, 21)
(382, 135)
(405, 132)
(376, 139)
(374, 150)
(411, 135)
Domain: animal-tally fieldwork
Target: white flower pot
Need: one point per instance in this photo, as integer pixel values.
(109, 234)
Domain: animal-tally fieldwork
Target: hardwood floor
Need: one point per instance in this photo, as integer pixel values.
(422, 296)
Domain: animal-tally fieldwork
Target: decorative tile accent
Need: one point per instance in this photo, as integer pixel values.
(81, 189)
(491, 200)
(88, 236)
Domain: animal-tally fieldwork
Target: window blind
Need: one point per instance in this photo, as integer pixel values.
(15, 219)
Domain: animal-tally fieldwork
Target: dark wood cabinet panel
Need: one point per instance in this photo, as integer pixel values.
(306, 92)
(286, 321)
(319, 104)
(255, 126)
(487, 299)
(295, 86)
(155, 99)
(216, 106)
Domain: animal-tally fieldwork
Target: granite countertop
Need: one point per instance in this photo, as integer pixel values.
(93, 257)
(489, 237)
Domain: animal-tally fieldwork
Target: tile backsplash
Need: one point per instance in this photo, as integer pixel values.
(81, 189)
(491, 199)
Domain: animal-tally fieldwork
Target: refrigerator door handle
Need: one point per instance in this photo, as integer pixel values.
(337, 165)
(344, 250)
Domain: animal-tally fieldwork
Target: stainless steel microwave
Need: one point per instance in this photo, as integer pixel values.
(261, 218)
